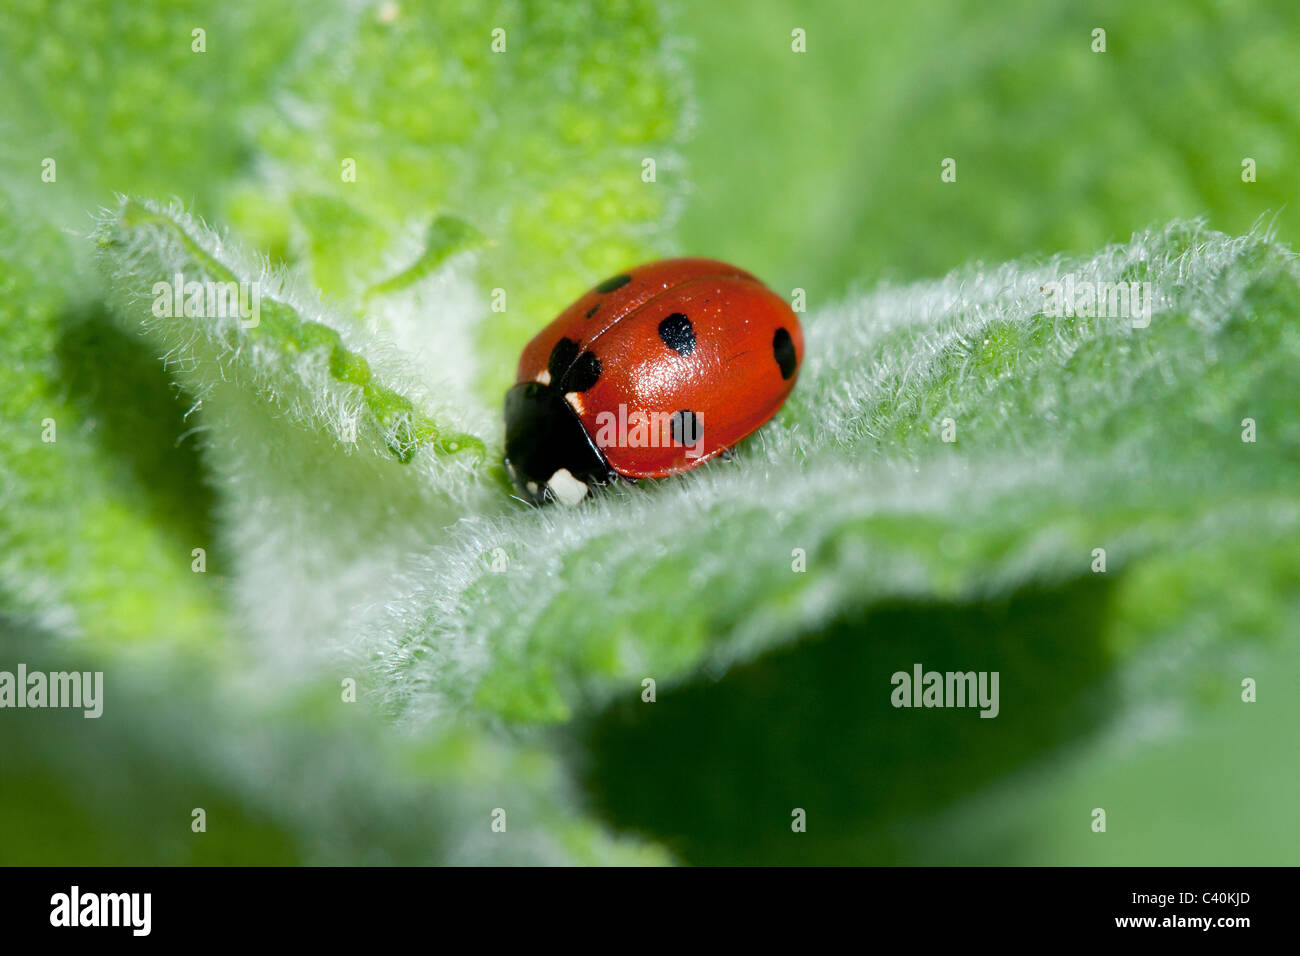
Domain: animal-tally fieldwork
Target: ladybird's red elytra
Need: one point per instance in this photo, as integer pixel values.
(648, 374)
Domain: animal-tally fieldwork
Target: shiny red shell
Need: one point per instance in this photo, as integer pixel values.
(674, 336)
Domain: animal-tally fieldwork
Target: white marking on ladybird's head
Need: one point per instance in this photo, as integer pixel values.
(544, 376)
(575, 402)
(567, 489)
(532, 488)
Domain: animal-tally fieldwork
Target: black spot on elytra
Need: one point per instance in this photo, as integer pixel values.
(783, 349)
(570, 370)
(592, 310)
(688, 427)
(678, 334)
(562, 356)
(613, 282)
(582, 374)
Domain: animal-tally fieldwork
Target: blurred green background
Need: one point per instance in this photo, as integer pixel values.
(817, 170)
(824, 167)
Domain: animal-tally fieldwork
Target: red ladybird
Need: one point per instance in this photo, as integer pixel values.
(649, 374)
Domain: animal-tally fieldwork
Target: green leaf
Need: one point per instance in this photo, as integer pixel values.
(266, 343)
(329, 465)
(1057, 148)
(116, 94)
(1072, 433)
(446, 236)
(284, 772)
(515, 178)
(538, 146)
(101, 498)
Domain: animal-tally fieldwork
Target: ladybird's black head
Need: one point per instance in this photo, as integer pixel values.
(548, 453)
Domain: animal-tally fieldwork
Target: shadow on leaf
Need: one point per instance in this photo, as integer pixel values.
(715, 769)
(137, 416)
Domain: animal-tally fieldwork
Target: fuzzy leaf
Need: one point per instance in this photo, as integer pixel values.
(1071, 433)
(276, 345)
(520, 171)
(100, 499)
(285, 772)
(534, 135)
(446, 236)
(326, 470)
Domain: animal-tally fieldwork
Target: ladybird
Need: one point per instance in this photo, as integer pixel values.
(650, 373)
